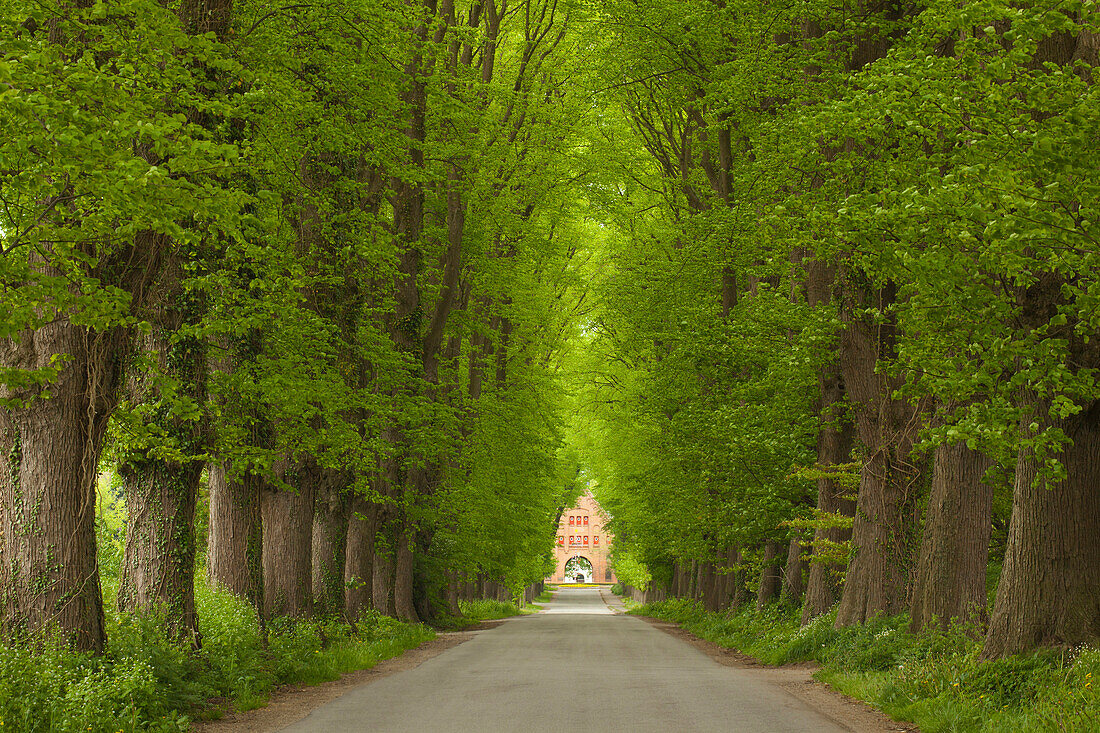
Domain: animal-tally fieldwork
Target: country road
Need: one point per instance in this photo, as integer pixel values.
(576, 666)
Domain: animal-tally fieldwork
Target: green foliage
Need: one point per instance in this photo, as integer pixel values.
(145, 682)
(629, 570)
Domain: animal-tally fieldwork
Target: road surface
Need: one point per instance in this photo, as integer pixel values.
(576, 666)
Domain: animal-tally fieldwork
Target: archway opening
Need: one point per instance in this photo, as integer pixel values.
(578, 570)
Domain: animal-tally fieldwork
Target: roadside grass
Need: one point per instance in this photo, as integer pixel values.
(144, 682)
(484, 609)
(933, 679)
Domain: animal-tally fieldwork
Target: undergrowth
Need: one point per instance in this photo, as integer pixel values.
(933, 678)
(144, 682)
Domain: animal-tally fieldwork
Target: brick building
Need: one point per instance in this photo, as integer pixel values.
(581, 533)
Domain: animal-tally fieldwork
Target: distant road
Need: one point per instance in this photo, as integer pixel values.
(576, 666)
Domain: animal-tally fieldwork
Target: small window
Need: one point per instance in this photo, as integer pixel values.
(561, 539)
(570, 521)
(585, 520)
(596, 540)
(586, 539)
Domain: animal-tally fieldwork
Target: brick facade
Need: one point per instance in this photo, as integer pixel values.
(581, 533)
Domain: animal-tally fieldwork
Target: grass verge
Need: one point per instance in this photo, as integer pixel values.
(933, 679)
(144, 682)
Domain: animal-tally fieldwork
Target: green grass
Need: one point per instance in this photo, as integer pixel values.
(145, 682)
(933, 679)
(486, 610)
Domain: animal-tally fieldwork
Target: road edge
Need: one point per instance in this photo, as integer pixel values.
(292, 703)
(796, 680)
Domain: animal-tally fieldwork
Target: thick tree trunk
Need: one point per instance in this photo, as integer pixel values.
(158, 567)
(49, 459)
(1049, 593)
(359, 563)
(768, 588)
(949, 582)
(288, 543)
(881, 552)
(792, 572)
(330, 538)
(712, 587)
(382, 590)
(234, 554)
(454, 586)
(882, 532)
(403, 602)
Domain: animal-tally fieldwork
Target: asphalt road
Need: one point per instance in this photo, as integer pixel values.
(576, 666)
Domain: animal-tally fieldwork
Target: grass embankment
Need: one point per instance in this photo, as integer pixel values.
(933, 679)
(144, 682)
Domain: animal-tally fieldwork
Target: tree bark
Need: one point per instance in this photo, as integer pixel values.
(330, 543)
(792, 572)
(49, 459)
(403, 602)
(949, 582)
(882, 551)
(287, 556)
(359, 564)
(158, 566)
(1049, 593)
(234, 555)
(768, 588)
(382, 588)
(834, 445)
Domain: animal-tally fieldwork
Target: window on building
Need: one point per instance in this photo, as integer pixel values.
(585, 520)
(596, 540)
(586, 539)
(561, 539)
(570, 521)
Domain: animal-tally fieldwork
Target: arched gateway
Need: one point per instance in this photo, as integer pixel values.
(581, 535)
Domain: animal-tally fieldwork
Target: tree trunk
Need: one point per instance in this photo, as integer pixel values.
(768, 589)
(792, 572)
(158, 567)
(330, 542)
(49, 459)
(359, 565)
(403, 602)
(288, 543)
(382, 591)
(714, 595)
(1049, 593)
(834, 445)
(452, 593)
(882, 541)
(949, 582)
(234, 555)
